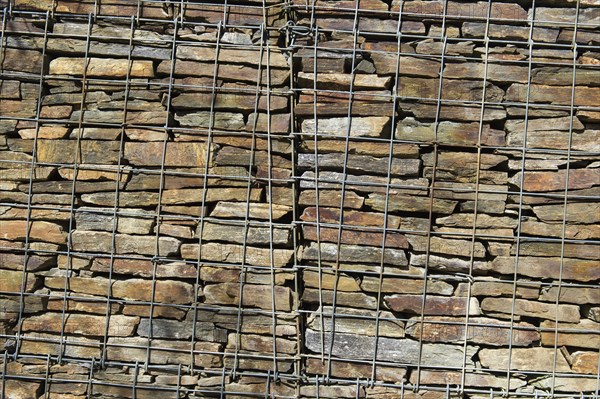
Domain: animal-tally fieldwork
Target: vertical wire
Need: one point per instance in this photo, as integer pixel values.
(520, 211)
(432, 194)
(476, 204)
(318, 212)
(113, 243)
(270, 191)
(251, 161)
(387, 189)
(343, 189)
(77, 155)
(30, 191)
(157, 254)
(207, 161)
(565, 201)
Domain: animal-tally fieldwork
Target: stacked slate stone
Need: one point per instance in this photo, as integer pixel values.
(414, 210)
(146, 200)
(326, 199)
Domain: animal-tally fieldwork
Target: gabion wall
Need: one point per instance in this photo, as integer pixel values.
(301, 199)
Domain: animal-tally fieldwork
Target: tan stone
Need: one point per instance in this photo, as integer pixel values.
(577, 295)
(572, 231)
(348, 299)
(118, 326)
(570, 250)
(260, 343)
(522, 307)
(495, 287)
(525, 359)
(465, 134)
(339, 81)
(434, 305)
(44, 132)
(582, 212)
(233, 55)
(102, 67)
(176, 292)
(253, 211)
(328, 280)
(144, 268)
(41, 344)
(446, 246)
(405, 285)
(556, 180)
(356, 321)
(11, 280)
(235, 254)
(94, 174)
(328, 252)
(96, 241)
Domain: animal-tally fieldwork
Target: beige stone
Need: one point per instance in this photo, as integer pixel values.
(36, 230)
(102, 67)
(570, 334)
(118, 326)
(230, 253)
(525, 359)
(253, 296)
(253, 211)
(434, 305)
(177, 154)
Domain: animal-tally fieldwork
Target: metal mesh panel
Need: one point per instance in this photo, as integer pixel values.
(316, 199)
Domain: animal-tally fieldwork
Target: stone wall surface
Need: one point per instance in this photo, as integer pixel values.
(316, 199)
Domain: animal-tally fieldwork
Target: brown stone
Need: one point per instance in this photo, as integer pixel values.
(481, 330)
(144, 268)
(354, 236)
(361, 147)
(452, 89)
(38, 230)
(237, 234)
(338, 81)
(495, 72)
(584, 362)
(522, 307)
(260, 343)
(448, 133)
(556, 180)
(453, 378)
(539, 267)
(348, 299)
(525, 359)
(350, 218)
(347, 369)
(571, 334)
(479, 9)
(403, 203)
(328, 281)
(356, 321)
(163, 351)
(584, 95)
(446, 246)
(177, 154)
(495, 31)
(576, 212)
(89, 152)
(385, 64)
(236, 101)
(118, 326)
(495, 287)
(571, 250)
(577, 295)
(253, 296)
(102, 67)
(227, 72)
(572, 231)
(361, 164)
(331, 198)
(434, 305)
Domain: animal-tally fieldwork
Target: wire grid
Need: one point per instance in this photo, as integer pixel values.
(280, 374)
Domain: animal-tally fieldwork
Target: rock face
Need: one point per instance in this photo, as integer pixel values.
(372, 199)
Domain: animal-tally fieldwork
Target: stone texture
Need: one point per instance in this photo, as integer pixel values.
(352, 253)
(252, 296)
(448, 133)
(525, 359)
(229, 253)
(571, 334)
(374, 126)
(434, 305)
(95, 241)
(102, 67)
(118, 326)
(481, 330)
(522, 307)
(389, 349)
(176, 154)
